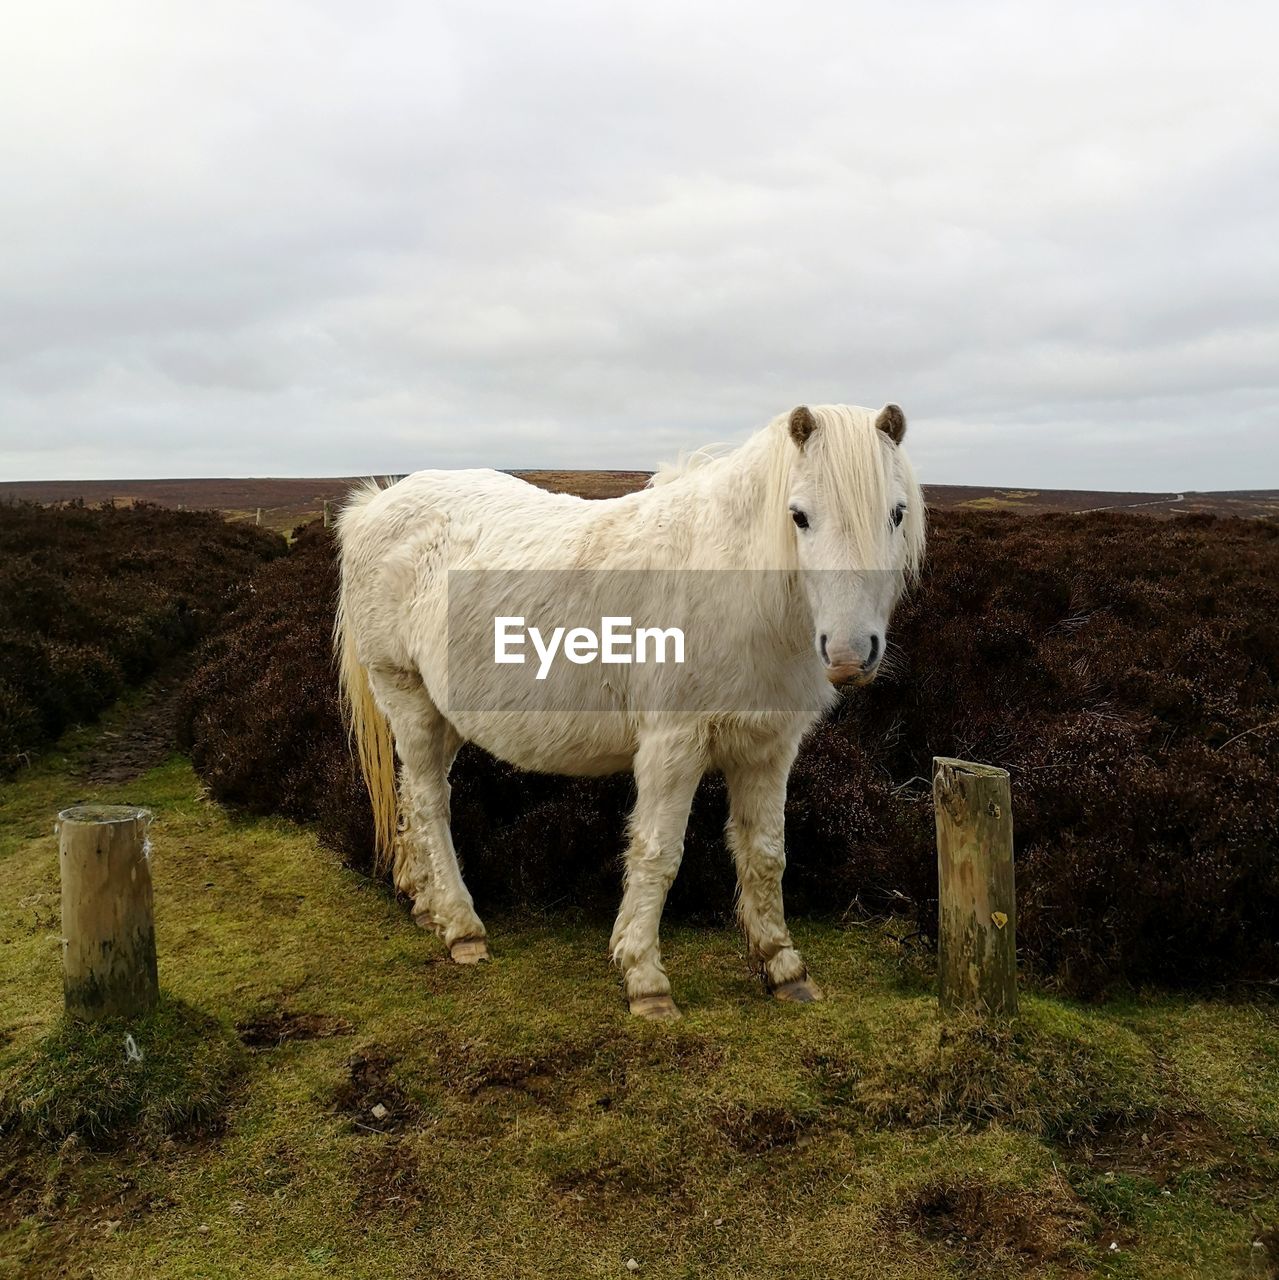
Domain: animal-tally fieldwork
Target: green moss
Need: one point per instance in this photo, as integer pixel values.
(167, 1074)
(1051, 1071)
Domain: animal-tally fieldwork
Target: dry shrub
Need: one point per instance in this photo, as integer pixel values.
(259, 714)
(95, 598)
(1123, 669)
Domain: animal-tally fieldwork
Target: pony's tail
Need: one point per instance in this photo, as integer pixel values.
(369, 730)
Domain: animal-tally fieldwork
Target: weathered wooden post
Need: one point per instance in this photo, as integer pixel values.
(328, 518)
(108, 929)
(258, 518)
(977, 903)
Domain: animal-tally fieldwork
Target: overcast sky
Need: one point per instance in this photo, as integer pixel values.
(326, 238)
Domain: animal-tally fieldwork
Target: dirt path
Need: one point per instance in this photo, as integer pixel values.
(1130, 506)
(146, 736)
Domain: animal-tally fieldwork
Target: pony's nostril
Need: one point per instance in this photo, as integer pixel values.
(874, 651)
(822, 646)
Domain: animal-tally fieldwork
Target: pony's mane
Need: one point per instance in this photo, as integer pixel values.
(854, 465)
(668, 471)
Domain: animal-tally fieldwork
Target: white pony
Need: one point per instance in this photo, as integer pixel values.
(823, 499)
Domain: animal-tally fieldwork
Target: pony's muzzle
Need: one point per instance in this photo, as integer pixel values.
(843, 667)
(850, 673)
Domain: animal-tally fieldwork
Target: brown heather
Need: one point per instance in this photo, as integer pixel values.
(93, 599)
(1124, 670)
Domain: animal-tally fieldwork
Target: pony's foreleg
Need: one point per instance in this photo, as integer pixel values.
(667, 770)
(426, 866)
(757, 805)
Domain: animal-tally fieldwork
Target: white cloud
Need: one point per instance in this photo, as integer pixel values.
(324, 238)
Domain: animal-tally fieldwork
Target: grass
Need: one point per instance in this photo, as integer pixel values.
(994, 502)
(336, 1099)
(168, 1074)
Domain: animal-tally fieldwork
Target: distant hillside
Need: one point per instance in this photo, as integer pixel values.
(285, 503)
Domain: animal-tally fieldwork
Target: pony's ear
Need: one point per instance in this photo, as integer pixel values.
(892, 422)
(802, 424)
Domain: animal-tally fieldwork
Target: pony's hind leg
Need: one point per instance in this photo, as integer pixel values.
(667, 770)
(426, 867)
(757, 803)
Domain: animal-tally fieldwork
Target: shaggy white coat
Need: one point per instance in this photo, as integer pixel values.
(820, 615)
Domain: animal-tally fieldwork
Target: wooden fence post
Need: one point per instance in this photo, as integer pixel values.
(108, 929)
(328, 519)
(977, 902)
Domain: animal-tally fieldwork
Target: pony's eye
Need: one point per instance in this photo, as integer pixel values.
(897, 516)
(799, 517)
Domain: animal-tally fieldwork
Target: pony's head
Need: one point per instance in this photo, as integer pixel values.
(856, 516)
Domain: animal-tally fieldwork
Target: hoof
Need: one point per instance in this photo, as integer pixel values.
(655, 1008)
(801, 991)
(469, 951)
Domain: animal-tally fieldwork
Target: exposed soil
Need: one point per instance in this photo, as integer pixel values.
(1167, 1147)
(690, 1052)
(836, 1075)
(596, 1070)
(388, 1177)
(610, 1190)
(1161, 1149)
(146, 738)
(370, 1098)
(67, 1202)
(978, 1221)
(271, 1030)
(473, 1069)
(756, 1132)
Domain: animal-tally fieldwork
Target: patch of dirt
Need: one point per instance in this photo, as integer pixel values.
(285, 905)
(68, 1202)
(686, 1051)
(388, 1178)
(1166, 1147)
(545, 1076)
(147, 738)
(600, 1068)
(271, 1030)
(979, 1221)
(757, 1131)
(836, 1076)
(615, 1189)
(371, 1099)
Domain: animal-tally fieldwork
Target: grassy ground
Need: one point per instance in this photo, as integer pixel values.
(354, 1105)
